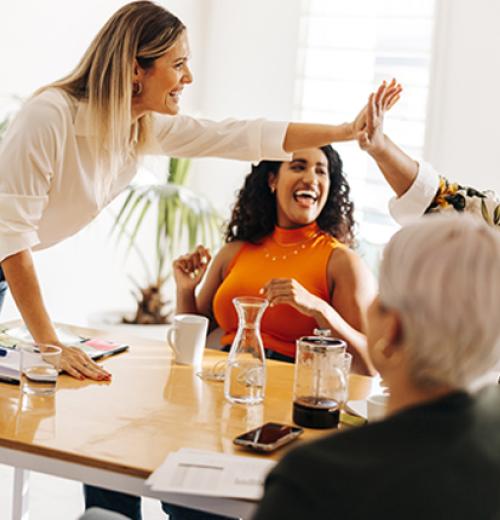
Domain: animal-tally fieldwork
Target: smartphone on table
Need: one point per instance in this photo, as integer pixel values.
(268, 437)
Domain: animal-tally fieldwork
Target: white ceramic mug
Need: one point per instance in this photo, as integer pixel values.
(187, 338)
(376, 407)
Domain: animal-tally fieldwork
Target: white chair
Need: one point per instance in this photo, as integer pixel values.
(96, 513)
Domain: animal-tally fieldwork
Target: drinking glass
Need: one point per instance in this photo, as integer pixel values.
(40, 365)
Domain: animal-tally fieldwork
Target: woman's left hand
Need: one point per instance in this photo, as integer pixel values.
(288, 291)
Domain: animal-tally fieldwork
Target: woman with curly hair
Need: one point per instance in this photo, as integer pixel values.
(287, 240)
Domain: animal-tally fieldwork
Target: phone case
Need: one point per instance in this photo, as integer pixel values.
(268, 447)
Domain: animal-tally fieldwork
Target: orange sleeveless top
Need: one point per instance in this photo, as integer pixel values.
(302, 254)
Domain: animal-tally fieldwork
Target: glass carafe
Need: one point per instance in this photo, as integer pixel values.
(320, 384)
(245, 378)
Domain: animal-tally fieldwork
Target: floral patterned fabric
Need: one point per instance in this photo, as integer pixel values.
(454, 197)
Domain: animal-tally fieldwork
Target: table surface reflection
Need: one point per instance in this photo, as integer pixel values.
(150, 408)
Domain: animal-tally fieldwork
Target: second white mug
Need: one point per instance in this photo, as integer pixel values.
(187, 338)
(376, 406)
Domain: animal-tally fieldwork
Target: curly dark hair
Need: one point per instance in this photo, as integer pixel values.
(254, 213)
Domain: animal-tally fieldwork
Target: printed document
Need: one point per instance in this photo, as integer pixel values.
(207, 473)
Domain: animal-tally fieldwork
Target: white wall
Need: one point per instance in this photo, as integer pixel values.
(464, 134)
(249, 66)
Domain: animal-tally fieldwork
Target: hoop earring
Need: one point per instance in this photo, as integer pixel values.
(136, 88)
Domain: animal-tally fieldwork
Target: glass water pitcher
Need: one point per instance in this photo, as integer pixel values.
(245, 378)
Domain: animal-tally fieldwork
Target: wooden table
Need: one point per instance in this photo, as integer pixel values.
(116, 434)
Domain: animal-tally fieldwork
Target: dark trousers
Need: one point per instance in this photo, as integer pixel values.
(270, 354)
(130, 505)
(3, 288)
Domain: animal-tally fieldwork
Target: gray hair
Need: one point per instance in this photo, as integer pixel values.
(442, 274)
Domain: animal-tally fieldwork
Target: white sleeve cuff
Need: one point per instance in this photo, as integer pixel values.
(12, 244)
(412, 204)
(272, 139)
(19, 218)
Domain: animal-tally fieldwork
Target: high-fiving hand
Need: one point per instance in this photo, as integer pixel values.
(371, 136)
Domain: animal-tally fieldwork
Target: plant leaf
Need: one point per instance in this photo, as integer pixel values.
(184, 166)
(496, 215)
(484, 211)
(122, 209)
(173, 168)
(131, 211)
(142, 214)
(192, 229)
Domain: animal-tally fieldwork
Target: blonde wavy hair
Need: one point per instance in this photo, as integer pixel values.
(139, 31)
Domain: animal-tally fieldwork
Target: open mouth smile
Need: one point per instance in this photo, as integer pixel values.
(306, 197)
(175, 95)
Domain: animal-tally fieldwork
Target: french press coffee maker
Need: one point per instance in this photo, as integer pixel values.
(320, 384)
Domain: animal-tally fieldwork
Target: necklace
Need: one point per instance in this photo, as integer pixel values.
(294, 249)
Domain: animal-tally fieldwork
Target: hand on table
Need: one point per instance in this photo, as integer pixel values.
(371, 137)
(77, 364)
(189, 269)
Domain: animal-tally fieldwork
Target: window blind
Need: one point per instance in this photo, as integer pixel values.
(345, 50)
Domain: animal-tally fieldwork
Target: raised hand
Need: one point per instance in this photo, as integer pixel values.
(289, 291)
(371, 137)
(189, 269)
(389, 96)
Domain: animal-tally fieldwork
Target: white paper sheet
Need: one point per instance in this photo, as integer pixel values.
(207, 473)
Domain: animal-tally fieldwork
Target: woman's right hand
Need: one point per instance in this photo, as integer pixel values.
(189, 269)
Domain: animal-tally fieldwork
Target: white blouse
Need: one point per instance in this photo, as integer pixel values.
(47, 171)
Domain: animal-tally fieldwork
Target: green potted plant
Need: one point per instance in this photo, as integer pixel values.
(183, 219)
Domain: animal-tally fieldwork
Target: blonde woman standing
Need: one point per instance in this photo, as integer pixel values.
(75, 144)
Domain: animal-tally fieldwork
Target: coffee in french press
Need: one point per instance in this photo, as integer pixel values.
(320, 384)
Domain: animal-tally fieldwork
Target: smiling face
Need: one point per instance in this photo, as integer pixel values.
(162, 83)
(301, 187)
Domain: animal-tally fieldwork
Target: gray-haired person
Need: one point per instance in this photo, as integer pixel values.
(432, 331)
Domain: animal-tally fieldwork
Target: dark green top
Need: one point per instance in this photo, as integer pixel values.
(438, 461)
